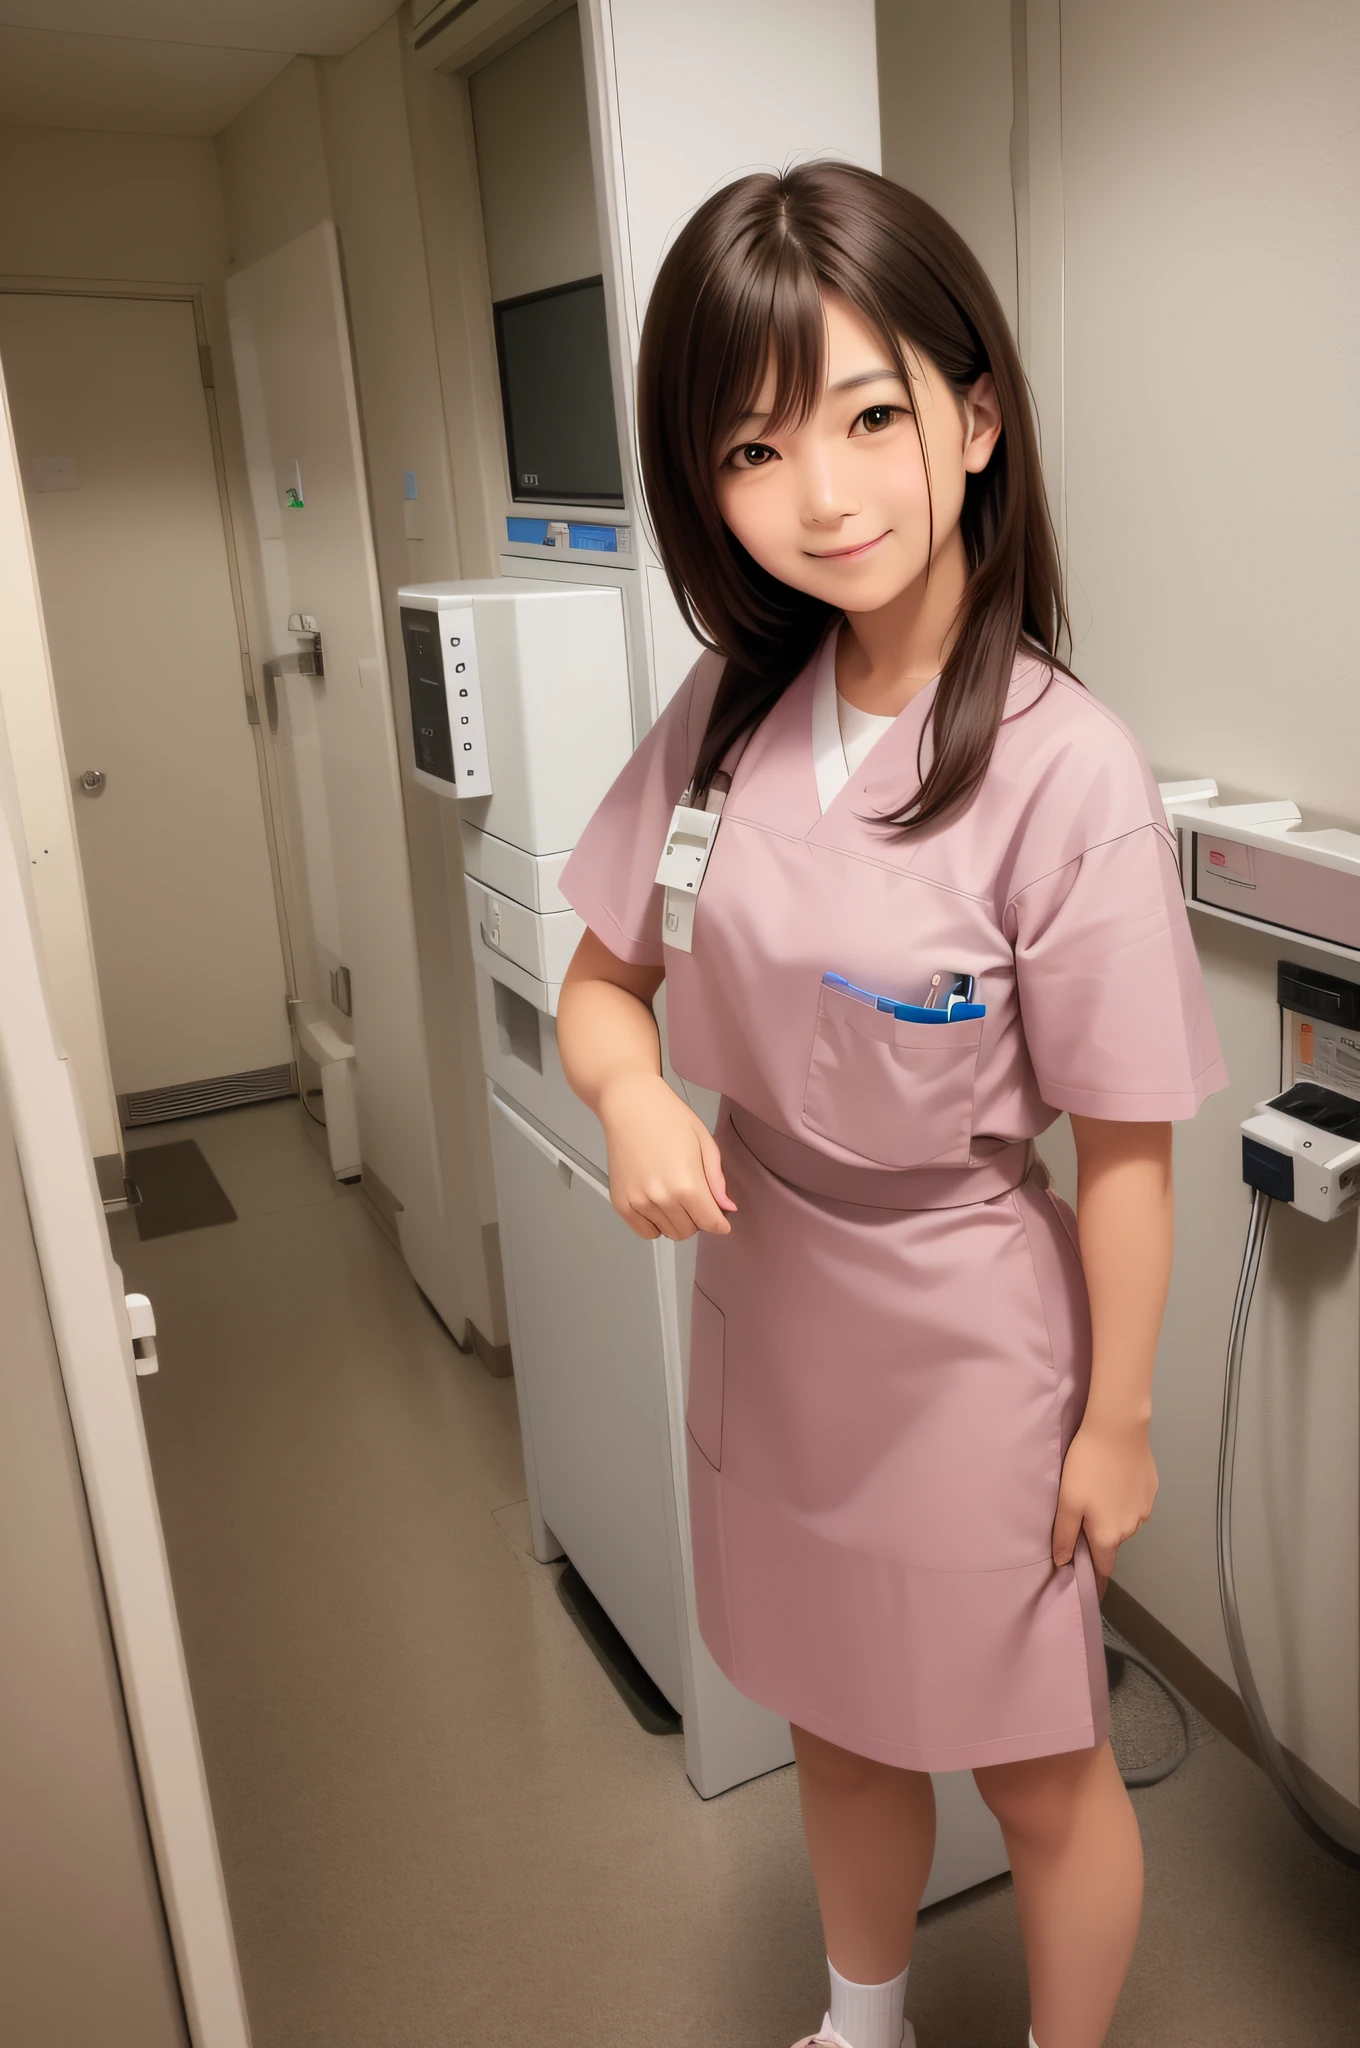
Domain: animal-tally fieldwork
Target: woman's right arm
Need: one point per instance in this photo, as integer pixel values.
(665, 1172)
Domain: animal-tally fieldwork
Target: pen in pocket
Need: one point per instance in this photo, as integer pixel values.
(955, 1006)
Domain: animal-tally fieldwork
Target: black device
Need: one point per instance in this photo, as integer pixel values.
(558, 397)
(945, 983)
(429, 704)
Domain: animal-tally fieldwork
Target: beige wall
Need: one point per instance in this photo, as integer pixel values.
(944, 79)
(120, 209)
(1211, 188)
(332, 139)
(533, 157)
(349, 158)
(272, 164)
(125, 207)
(1188, 187)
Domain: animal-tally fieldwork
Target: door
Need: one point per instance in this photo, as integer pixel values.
(68, 1783)
(86, 1584)
(332, 737)
(112, 427)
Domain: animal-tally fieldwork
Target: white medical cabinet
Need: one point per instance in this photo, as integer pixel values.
(539, 668)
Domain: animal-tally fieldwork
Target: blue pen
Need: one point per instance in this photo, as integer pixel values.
(848, 988)
(956, 1008)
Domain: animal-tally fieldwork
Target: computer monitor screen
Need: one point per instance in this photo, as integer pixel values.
(559, 403)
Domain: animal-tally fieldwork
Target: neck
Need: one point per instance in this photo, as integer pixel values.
(885, 657)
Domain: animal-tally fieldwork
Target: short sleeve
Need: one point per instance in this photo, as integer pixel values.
(1112, 1000)
(610, 880)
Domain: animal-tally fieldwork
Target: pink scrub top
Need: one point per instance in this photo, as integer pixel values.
(891, 1351)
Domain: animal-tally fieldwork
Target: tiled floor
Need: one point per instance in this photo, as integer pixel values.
(440, 1827)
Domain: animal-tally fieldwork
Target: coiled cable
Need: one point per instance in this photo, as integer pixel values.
(1153, 1774)
(1294, 1794)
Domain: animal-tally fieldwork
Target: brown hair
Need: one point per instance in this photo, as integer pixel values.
(746, 276)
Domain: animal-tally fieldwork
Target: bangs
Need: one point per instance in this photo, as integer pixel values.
(776, 316)
(773, 316)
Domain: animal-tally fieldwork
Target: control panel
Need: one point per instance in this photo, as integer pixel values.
(447, 717)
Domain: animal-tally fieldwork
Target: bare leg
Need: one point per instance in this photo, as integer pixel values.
(870, 1832)
(1077, 1860)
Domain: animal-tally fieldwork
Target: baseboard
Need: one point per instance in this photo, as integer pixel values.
(495, 1357)
(1215, 1699)
(1204, 1689)
(381, 1204)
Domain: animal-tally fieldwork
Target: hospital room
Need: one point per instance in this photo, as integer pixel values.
(523, 1518)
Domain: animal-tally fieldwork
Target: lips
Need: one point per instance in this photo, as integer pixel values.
(848, 554)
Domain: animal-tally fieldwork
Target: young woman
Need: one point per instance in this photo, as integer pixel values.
(942, 906)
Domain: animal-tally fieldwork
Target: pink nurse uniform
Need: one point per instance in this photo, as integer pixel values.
(891, 1351)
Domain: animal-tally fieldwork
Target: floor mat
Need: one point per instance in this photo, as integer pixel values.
(178, 1190)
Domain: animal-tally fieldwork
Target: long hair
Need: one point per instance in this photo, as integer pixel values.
(744, 280)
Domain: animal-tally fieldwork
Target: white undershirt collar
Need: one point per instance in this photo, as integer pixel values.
(842, 734)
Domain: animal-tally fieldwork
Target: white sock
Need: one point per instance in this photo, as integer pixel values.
(868, 2015)
(1032, 2042)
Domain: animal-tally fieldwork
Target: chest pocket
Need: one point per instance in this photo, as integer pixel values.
(895, 1092)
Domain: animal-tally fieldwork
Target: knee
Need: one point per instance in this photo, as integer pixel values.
(837, 1771)
(1033, 1799)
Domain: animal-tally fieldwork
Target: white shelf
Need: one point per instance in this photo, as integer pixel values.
(1309, 881)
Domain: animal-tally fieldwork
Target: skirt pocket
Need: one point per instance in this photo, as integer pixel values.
(707, 1367)
(893, 1091)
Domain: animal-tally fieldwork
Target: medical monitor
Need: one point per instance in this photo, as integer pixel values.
(557, 395)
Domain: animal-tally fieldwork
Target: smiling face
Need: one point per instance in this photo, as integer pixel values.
(841, 505)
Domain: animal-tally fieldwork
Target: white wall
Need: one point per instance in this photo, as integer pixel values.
(1212, 186)
(533, 162)
(349, 157)
(1189, 297)
(945, 99)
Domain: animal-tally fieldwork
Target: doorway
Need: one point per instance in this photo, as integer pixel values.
(115, 440)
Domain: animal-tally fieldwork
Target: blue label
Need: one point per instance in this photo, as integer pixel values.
(604, 538)
(534, 530)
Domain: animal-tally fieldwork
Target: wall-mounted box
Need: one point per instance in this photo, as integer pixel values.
(539, 671)
(1251, 863)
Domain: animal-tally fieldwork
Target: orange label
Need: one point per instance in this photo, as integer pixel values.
(1306, 1043)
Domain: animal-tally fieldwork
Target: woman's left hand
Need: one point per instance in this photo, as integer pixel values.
(1109, 1482)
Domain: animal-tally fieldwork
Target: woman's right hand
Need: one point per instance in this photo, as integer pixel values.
(665, 1171)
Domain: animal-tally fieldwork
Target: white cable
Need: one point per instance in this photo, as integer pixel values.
(1296, 1797)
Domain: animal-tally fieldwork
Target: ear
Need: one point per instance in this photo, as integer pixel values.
(981, 411)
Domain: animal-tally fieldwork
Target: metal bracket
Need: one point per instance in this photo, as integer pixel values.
(306, 662)
(142, 1329)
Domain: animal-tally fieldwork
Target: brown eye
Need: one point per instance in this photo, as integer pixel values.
(875, 417)
(751, 455)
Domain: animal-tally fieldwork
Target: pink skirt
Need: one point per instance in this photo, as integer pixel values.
(886, 1369)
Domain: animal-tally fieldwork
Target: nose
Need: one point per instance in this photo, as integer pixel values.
(825, 498)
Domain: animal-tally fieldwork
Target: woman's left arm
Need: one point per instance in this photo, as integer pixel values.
(1125, 1226)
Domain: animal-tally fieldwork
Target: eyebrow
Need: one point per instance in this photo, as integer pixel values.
(846, 384)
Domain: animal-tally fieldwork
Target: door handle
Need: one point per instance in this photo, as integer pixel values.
(93, 781)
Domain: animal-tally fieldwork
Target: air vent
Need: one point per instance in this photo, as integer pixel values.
(197, 1098)
(457, 32)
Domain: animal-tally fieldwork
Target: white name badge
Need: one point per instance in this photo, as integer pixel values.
(681, 870)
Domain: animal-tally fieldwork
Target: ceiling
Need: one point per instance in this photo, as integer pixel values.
(161, 67)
